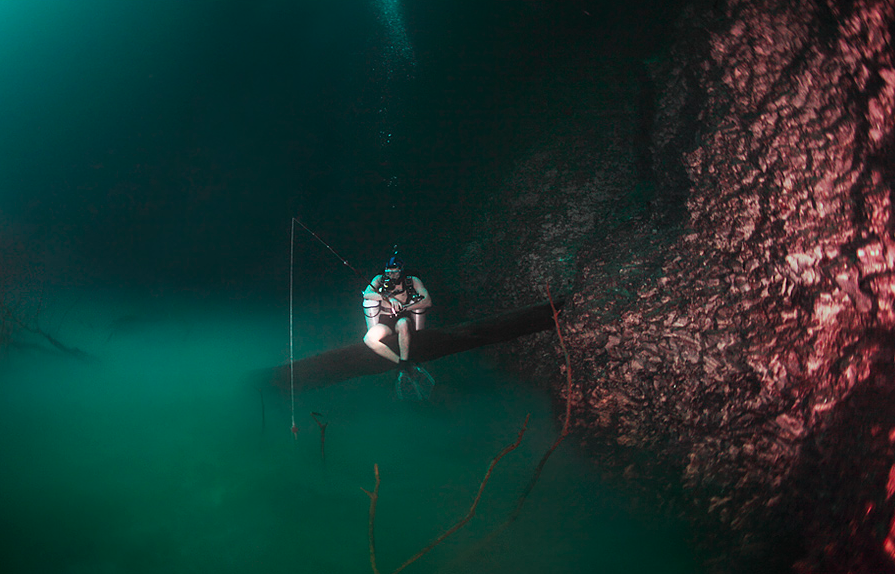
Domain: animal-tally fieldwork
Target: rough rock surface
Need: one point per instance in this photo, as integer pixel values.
(579, 183)
(750, 357)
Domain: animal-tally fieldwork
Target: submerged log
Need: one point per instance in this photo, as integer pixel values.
(358, 360)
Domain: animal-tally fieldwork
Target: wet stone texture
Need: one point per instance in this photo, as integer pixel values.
(576, 192)
(760, 364)
(740, 360)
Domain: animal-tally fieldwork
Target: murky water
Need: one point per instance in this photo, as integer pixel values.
(153, 458)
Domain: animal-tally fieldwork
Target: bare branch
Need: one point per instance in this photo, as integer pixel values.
(11, 321)
(374, 497)
(469, 514)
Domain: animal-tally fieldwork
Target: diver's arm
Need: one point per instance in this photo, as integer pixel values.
(425, 301)
(373, 290)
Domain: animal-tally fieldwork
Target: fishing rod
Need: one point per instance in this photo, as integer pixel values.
(333, 251)
(387, 288)
(381, 289)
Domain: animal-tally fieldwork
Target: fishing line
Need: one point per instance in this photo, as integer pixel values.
(291, 306)
(291, 333)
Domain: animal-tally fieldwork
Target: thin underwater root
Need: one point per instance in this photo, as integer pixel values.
(543, 462)
(322, 435)
(9, 321)
(565, 427)
(374, 497)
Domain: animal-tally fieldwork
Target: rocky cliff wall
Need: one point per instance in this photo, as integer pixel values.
(739, 359)
(578, 195)
(761, 363)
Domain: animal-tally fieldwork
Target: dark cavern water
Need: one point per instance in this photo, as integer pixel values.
(705, 185)
(156, 455)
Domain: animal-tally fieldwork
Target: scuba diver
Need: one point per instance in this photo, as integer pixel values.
(397, 303)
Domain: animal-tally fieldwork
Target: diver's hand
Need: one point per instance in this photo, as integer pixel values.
(394, 306)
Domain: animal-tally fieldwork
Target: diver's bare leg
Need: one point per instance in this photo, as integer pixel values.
(373, 339)
(403, 328)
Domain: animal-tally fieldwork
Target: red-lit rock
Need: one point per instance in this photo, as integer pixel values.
(776, 313)
(752, 354)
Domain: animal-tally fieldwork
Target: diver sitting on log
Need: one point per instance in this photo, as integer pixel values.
(397, 303)
(394, 303)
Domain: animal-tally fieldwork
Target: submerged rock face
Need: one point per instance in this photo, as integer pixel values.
(761, 364)
(750, 350)
(576, 191)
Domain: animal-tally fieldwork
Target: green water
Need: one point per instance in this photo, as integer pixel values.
(152, 458)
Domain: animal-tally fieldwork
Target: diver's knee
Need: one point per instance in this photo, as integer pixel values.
(371, 337)
(375, 334)
(403, 326)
